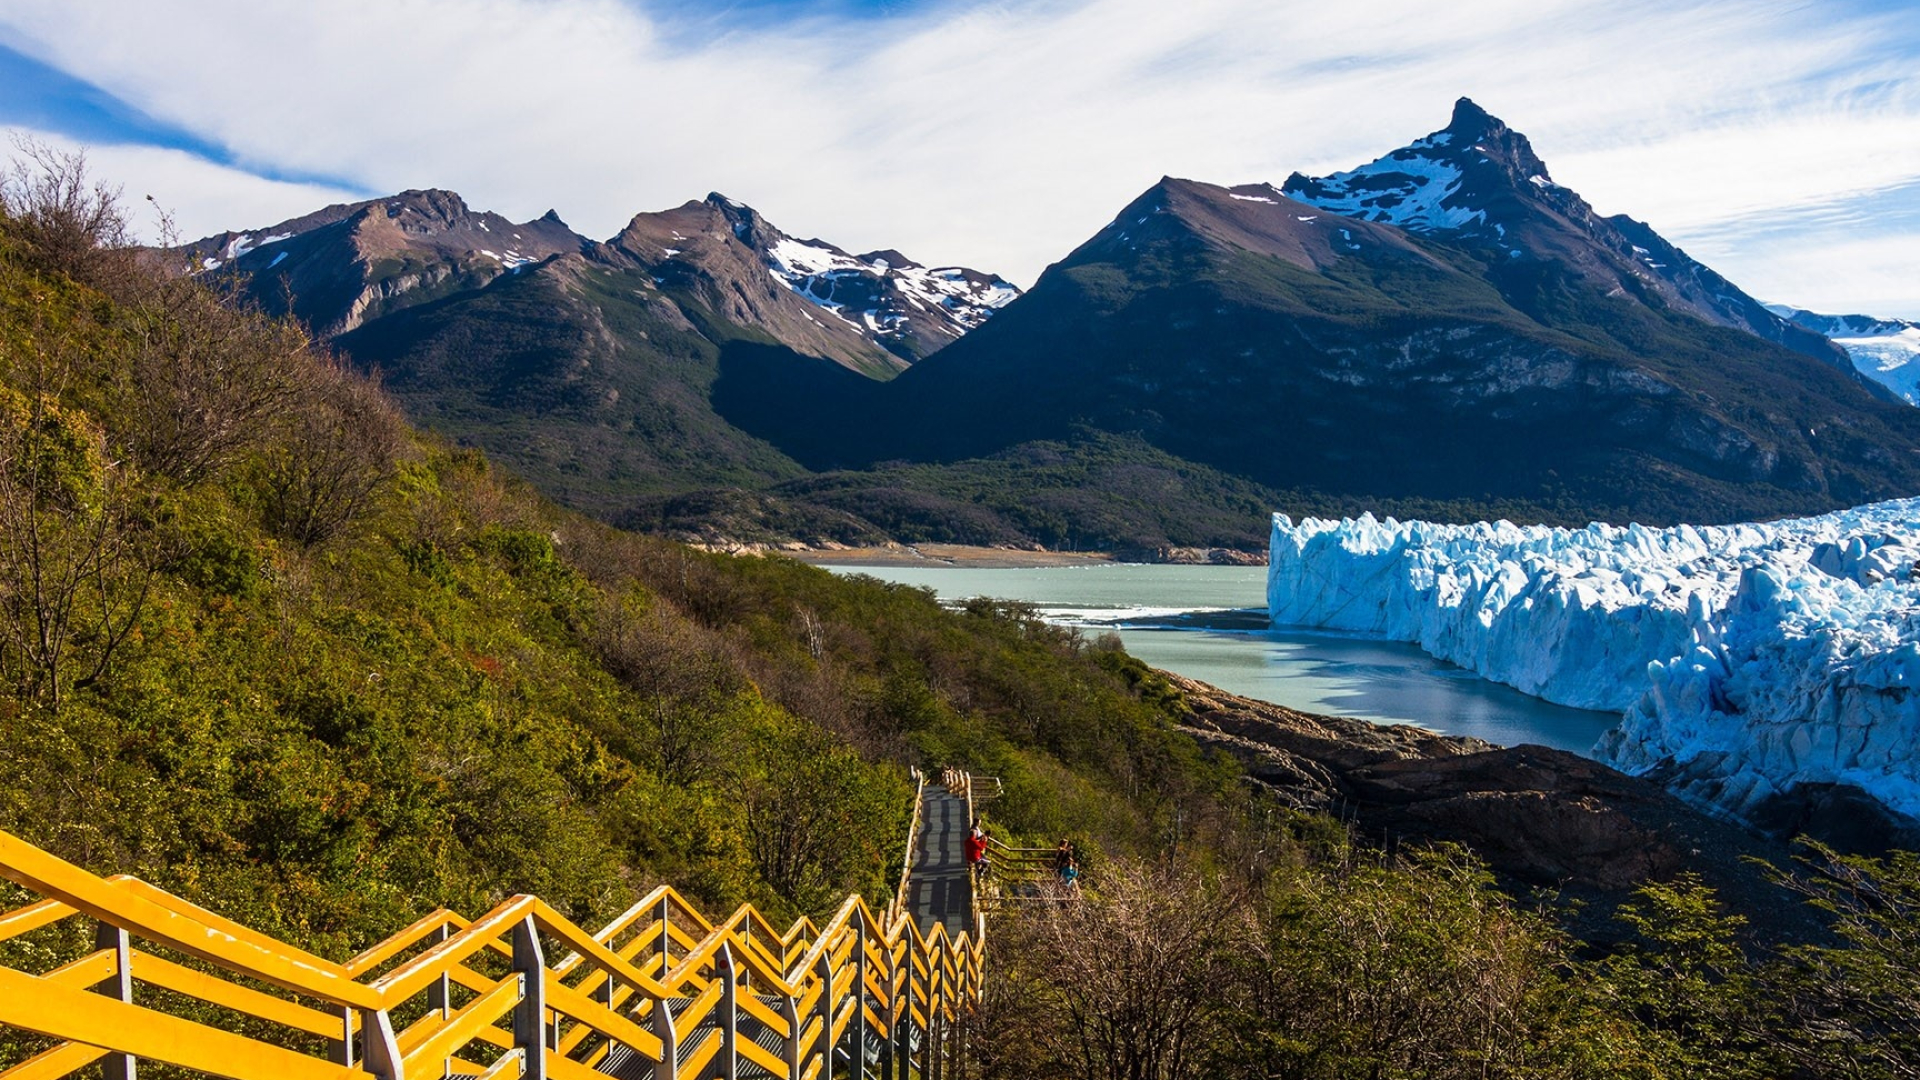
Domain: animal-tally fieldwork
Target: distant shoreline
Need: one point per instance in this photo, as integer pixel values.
(970, 556)
(947, 555)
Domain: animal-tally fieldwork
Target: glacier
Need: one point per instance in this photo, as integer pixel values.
(1745, 659)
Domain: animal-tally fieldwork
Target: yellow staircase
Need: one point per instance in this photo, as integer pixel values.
(660, 992)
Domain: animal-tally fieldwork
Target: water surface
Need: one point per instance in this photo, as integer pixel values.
(1210, 623)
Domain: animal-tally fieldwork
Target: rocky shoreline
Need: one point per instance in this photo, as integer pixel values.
(1543, 819)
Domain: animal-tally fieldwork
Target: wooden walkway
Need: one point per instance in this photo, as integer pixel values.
(938, 892)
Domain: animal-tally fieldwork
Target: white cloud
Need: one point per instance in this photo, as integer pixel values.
(1002, 135)
(1829, 272)
(200, 196)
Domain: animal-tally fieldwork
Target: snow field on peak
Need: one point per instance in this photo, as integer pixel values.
(812, 271)
(1405, 188)
(1761, 656)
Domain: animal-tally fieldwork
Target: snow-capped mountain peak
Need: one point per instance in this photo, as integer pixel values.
(882, 291)
(1478, 183)
(1454, 180)
(892, 301)
(908, 308)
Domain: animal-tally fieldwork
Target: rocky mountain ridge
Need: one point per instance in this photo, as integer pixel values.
(1479, 182)
(348, 263)
(1461, 352)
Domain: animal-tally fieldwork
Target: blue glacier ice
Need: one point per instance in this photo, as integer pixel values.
(1745, 659)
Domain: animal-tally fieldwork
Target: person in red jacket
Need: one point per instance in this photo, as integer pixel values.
(976, 849)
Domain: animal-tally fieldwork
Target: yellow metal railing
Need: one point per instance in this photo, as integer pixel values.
(659, 991)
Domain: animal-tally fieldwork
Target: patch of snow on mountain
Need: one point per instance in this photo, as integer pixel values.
(827, 277)
(276, 238)
(1750, 658)
(1246, 198)
(1405, 188)
(512, 260)
(796, 259)
(276, 260)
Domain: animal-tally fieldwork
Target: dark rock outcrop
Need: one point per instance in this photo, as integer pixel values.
(1541, 818)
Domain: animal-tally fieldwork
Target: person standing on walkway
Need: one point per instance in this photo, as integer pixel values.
(976, 849)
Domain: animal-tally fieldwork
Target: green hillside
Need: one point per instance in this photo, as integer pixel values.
(269, 648)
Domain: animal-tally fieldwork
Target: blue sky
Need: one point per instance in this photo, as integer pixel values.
(1778, 141)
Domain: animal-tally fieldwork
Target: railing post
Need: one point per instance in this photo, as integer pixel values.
(826, 1007)
(530, 1016)
(859, 1025)
(119, 987)
(790, 1012)
(903, 1025)
(668, 1067)
(341, 1053)
(380, 1049)
(440, 991)
(729, 973)
(666, 958)
(889, 1021)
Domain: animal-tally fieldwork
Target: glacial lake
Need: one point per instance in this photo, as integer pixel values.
(1210, 623)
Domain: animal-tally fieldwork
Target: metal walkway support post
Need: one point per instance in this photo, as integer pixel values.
(666, 938)
(530, 1016)
(440, 991)
(858, 1057)
(890, 1021)
(790, 1012)
(381, 1049)
(668, 1067)
(824, 1007)
(729, 975)
(903, 1026)
(119, 987)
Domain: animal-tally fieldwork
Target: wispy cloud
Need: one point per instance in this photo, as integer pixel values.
(1001, 135)
(199, 196)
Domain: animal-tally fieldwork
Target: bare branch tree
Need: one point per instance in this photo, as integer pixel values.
(73, 576)
(208, 377)
(1129, 982)
(340, 443)
(70, 223)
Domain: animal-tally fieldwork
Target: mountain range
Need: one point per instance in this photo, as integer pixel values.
(1443, 331)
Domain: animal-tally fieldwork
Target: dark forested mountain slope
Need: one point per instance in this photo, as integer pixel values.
(1476, 347)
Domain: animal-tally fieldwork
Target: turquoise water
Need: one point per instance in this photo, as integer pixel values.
(1209, 623)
